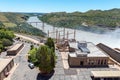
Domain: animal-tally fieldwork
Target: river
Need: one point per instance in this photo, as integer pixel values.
(111, 39)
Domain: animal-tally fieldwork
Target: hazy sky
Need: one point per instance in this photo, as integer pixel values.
(56, 5)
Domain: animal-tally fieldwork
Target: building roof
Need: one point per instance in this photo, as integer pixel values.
(72, 54)
(104, 74)
(109, 51)
(15, 47)
(4, 63)
(94, 51)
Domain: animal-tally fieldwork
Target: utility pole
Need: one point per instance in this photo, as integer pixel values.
(59, 36)
(48, 33)
(64, 33)
(56, 36)
(42, 25)
(74, 34)
(36, 24)
(67, 34)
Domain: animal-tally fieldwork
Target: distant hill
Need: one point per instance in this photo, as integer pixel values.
(99, 18)
(17, 23)
(31, 13)
(11, 19)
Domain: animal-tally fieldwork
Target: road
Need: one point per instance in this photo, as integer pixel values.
(23, 72)
(29, 39)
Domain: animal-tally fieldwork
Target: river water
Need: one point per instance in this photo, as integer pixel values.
(111, 39)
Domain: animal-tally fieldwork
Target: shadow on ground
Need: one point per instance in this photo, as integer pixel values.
(44, 77)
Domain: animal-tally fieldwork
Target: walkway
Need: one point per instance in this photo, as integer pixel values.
(65, 60)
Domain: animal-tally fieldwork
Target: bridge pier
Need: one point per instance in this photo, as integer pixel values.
(42, 25)
(36, 23)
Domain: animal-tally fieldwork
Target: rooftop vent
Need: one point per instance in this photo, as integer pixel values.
(83, 47)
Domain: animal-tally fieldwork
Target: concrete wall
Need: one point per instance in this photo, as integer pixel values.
(74, 61)
(88, 61)
(14, 52)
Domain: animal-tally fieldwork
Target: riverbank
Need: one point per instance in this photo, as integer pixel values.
(93, 29)
(112, 39)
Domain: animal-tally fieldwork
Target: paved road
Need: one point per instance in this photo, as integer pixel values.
(28, 38)
(23, 72)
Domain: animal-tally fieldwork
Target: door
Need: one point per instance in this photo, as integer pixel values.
(81, 63)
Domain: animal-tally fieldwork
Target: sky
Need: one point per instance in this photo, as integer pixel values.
(47, 6)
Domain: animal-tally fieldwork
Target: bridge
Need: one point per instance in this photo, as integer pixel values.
(36, 22)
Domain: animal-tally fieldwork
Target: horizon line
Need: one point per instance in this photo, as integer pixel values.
(59, 11)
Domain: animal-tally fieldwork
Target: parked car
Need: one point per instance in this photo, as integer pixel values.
(31, 65)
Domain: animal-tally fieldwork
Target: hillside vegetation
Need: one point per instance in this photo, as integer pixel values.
(6, 38)
(99, 18)
(16, 22)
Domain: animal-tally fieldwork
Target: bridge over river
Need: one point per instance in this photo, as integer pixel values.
(111, 39)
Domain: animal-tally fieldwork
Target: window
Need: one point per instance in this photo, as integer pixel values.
(101, 61)
(81, 63)
(89, 62)
(92, 62)
(98, 61)
(105, 62)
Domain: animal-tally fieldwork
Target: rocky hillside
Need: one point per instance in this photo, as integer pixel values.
(99, 18)
(17, 23)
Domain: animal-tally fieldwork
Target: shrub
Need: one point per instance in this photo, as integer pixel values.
(6, 42)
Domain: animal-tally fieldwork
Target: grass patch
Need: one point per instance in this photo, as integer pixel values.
(9, 24)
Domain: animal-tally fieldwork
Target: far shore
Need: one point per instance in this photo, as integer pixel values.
(109, 38)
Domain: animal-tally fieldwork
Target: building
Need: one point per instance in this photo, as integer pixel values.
(62, 45)
(86, 54)
(15, 49)
(105, 75)
(5, 66)
(114, 54)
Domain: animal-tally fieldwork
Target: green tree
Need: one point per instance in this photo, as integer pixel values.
(50, 44)
(1, 47)
(46, 59)
(32, 55)
(6, 37)
(6, 34)
(6, 42)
